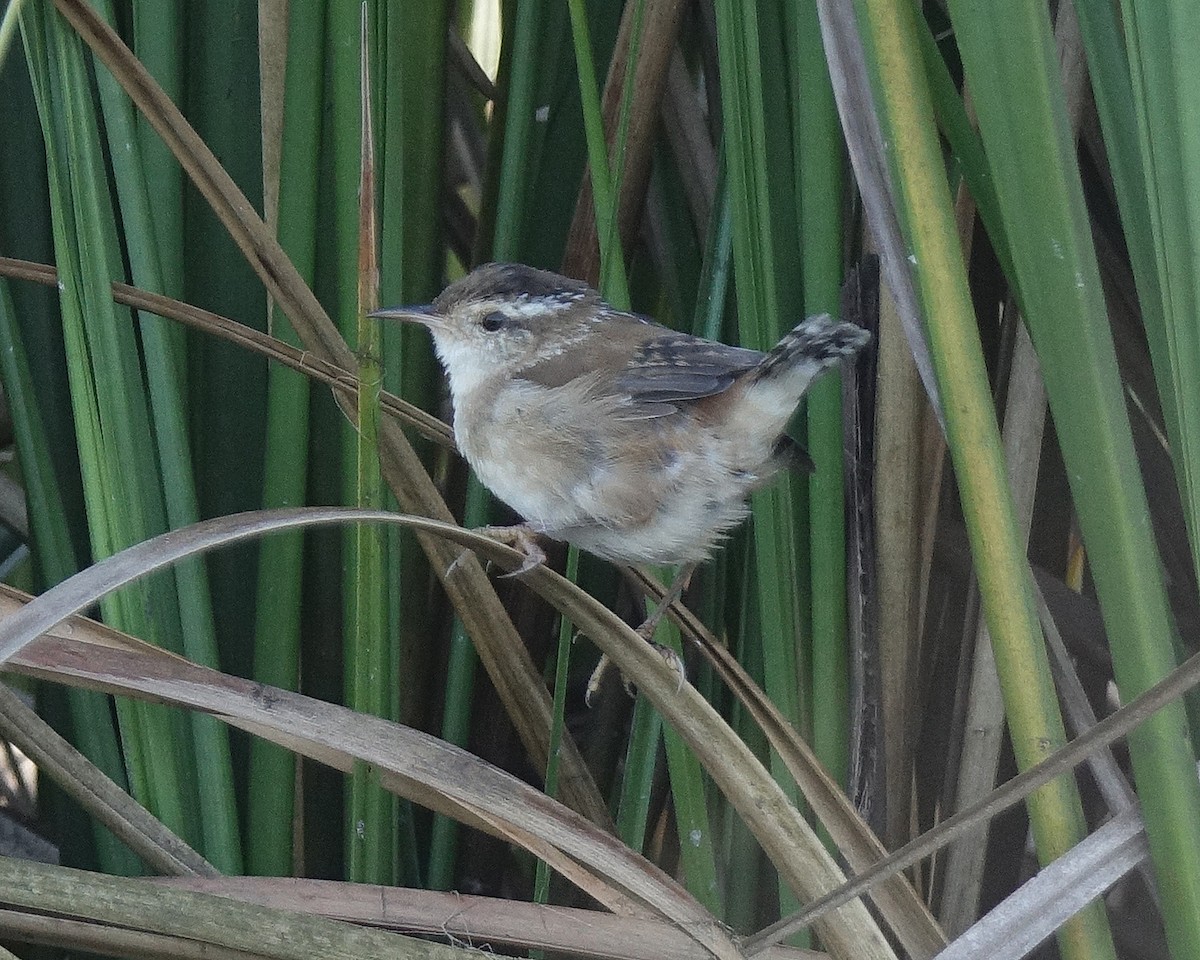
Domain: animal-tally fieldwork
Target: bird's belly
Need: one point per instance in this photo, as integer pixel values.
(523, 469)
(524, 486)
(669, 501)
(681, 531)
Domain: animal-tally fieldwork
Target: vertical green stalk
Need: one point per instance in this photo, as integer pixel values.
(819, 159)
(370, 674)
(459, 692)
(91, 714)
(519, 111)
(1011, 65)
(638, 775)
(159, 44)
(614, 283)
(713, 286)
(1164, 82)
(697, 849)
(1112, 86)
(271, 789)
(1056, 813)
(610, 242)
(112, 422)
(164, 369)
(411, 163)
(9, 22)
(541, 886)
(764, 230)
(226, 393)
(25, 229)
(412, 261)
(743, 864)
(370, 836)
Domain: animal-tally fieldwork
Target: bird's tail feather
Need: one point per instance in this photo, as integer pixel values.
(775, 386)
(814, 344)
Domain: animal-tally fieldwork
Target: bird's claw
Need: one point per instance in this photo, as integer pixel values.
(673, 660)
(520, 538)
(596, 680)
(531, 562)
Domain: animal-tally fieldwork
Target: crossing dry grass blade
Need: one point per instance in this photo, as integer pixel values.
(789, 840)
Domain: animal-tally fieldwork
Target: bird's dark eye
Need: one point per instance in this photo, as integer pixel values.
(492, 321)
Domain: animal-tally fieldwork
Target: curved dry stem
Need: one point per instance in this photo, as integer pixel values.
(899, 903)
(785, 835)
(468, 919)
(1108, 731)
(747, 784)
(412, 764)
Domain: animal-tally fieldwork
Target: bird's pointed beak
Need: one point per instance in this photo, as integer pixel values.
(423, 314)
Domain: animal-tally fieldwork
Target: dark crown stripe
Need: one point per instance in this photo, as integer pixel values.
(505, 280)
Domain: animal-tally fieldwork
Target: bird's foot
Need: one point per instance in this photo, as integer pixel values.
(646, 632)
(673, 659)
(520, 537)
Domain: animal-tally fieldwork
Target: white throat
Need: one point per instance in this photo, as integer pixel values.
(463, 369)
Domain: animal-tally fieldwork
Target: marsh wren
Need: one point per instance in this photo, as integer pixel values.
(605, 430)
(634, 442)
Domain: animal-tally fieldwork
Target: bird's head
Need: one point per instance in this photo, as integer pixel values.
(502, 318)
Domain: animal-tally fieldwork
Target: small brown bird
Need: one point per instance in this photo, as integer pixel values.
(605, 430)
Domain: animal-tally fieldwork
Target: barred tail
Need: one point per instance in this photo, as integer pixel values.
(774, 388)
(815, 343)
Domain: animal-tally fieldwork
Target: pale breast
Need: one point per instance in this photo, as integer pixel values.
(665, 490)
(542, 451)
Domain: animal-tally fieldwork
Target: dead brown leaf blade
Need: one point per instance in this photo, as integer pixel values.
(900, 905)
(58, 906)
(246, 337)
(419, 767)
(786, 837)
(415, 765)
(470, 920)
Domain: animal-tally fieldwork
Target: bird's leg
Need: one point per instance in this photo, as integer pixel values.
(646, 632)
(682, 581)
(520, 537)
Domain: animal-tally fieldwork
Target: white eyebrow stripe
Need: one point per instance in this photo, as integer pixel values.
(524, 307)
(529, 307)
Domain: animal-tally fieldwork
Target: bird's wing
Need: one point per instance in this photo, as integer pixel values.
(655, 368)
(675, 367)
